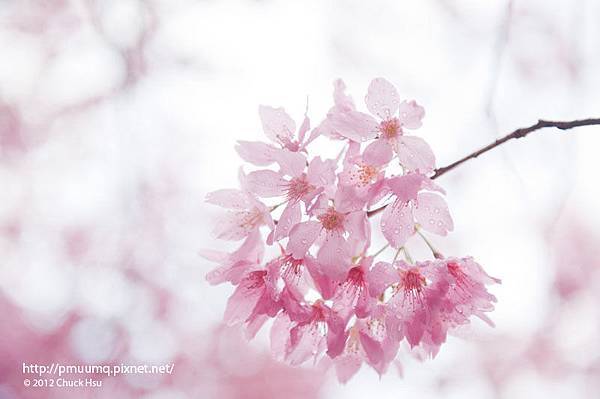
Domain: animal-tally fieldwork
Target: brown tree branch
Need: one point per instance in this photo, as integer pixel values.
(517, 134)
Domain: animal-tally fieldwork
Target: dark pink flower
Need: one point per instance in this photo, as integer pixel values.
(467, 288)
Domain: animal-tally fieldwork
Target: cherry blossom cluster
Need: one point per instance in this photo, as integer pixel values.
(330, 295)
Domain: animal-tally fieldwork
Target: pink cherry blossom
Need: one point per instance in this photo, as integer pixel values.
(414, 207)
(335, 298)
(319, 330)
(253, 297)
(394, 116)
(468, 294)
(352, 296)
(280, 128)
(233, 266)
(246, 214)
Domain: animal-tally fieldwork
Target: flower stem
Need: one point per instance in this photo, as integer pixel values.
(436, 254)
(386, 246)
(406, 255)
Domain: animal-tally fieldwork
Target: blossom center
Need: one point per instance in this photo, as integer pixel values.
(355, 274)
(291, 265)
(390, 128)
(367, 174)
(412, 283)
(250, 219)
(256, 279)
(298, 188)
(332, 220)
(459, 275)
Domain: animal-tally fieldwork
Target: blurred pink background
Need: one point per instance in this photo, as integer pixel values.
(118, 116)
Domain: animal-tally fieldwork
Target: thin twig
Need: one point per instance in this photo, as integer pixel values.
(517, 134)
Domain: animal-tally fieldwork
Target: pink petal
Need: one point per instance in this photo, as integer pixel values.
(305, 127)
(364, 304)
(334, 255)
(340, 98)
(381, 277)
(291, 163)
(359, 231)
(229, 198)
(406, 187)
(302, 236)
(324, 284)
(277, 124)
(397, 224)
(382, 98)
(336, 334)
(348, 198)
(346, 366)
(290, 217)
(431, 211)
(244, 299)
(233, 272)
(321, 172)
(256, 152)
(415, 154)
(231, 226)
(309, 343)
(354, 125)
(252, 248)
(254, 325)
(378, 153)
(213, 255)
(372, 348)
(411, 114)
(280, 335)
(265, 183)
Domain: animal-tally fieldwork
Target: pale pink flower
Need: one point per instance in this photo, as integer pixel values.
(414, 299)
(293, 273)
(246, 214)
(339, 232)
(292, 186)
(467, 287)
(416, 205)
(373, 340)
(253, 299)
(233, 266)
(280, 128)
(365, 173)
(383, 101)
(413, 152)
(343, 120)
(305, 335)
